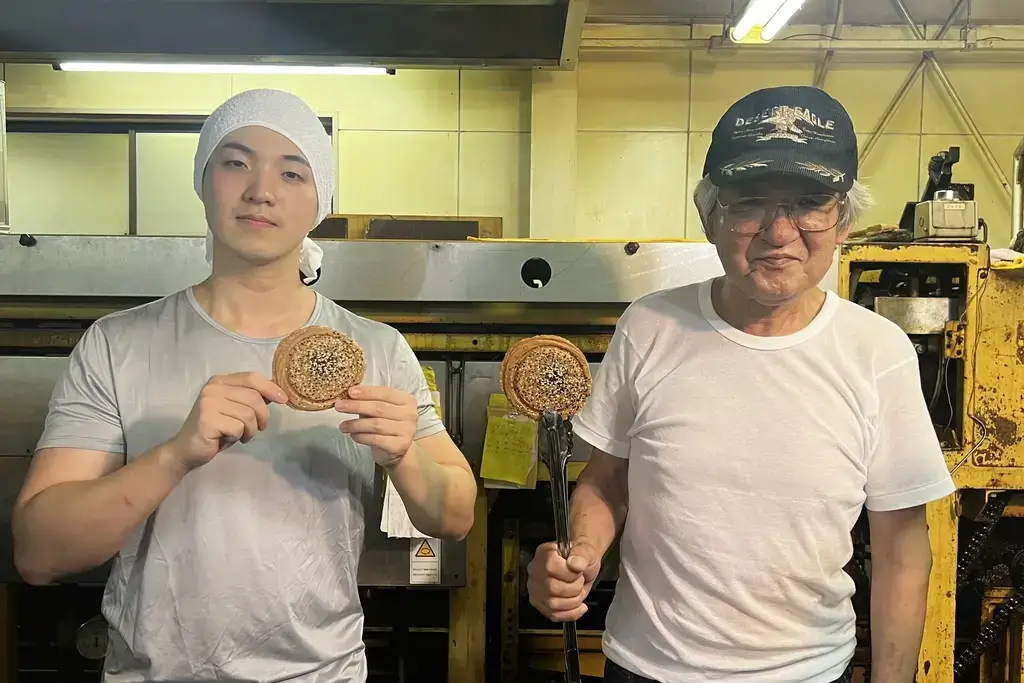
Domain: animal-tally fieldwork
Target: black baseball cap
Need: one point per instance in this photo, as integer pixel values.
(795, 130)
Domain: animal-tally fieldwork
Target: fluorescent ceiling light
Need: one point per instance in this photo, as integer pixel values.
(175, 68)
(767, 15)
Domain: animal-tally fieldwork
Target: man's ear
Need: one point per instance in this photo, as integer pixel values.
(842, 234)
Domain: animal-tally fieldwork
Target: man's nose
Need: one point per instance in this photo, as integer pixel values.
(260, 188)
(782, 229)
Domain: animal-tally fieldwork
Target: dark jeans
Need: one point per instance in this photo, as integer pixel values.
(613, 673)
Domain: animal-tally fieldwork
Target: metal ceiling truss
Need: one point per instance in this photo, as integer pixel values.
(600, 39)
(928, 58)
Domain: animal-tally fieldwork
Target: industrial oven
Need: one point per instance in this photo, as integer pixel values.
(460, 305)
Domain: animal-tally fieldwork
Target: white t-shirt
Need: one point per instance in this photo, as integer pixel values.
(750, 461)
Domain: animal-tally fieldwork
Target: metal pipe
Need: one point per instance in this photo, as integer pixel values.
(599, 42)
(821, 73)
(891, 110)
(1017, 229)
(949, 22)
(901, 7)
(986, 151)
(840, 19)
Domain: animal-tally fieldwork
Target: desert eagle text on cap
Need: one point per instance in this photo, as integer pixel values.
(794, 130)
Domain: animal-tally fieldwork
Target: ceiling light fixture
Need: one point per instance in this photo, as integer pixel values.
(762, 20)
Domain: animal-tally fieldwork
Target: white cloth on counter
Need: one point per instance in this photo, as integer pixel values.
(394, 518)
(1005, 255)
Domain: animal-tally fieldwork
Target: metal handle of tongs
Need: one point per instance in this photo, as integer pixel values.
(555, 452)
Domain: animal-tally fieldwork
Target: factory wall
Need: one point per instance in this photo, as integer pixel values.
(611, 150)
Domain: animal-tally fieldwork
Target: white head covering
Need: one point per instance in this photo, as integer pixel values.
(288, 115)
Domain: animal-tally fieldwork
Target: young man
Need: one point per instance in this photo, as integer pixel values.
(235, 522)
(744, 422)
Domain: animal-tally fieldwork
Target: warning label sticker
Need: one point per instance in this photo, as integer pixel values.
(424, 561)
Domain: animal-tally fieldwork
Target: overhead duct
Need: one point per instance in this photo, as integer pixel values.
(393, 33)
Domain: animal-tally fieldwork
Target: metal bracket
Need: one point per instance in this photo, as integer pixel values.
(956, 333)
(455, 376)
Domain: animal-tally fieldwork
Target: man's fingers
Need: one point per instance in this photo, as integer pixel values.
(563, 605)
(388, 444)
(578, 563)
(240, 413)
(372, 425)
(369, 392)
(250, 398)
(557, 568)
(253, 380)
(227, 428)
(564, 589)
(383, 409)
(558, 614)
(571, 615)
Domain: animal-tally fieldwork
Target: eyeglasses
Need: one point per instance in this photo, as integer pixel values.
(809, 213)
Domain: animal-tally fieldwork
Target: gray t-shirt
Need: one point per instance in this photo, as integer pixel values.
(247, 571)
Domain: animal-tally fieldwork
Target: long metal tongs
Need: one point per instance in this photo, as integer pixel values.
(555, 448)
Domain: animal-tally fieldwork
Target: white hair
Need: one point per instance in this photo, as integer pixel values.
(859, 201)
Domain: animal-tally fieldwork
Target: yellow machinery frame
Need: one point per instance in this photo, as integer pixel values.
(989, 336)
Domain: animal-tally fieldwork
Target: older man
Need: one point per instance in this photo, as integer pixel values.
(743, 422)
(236, 522)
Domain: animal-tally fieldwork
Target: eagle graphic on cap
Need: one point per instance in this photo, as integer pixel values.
(784, 119)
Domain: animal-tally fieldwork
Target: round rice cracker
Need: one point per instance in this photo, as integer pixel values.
(545, 372)
(315, 366)
(516, 352)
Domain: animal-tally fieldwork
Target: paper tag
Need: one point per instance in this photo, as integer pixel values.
(424, 561)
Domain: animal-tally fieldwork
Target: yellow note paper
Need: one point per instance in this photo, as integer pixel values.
(509, 446)
(428, 374)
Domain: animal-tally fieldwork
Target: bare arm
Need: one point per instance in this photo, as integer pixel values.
(598, 507)
(77, 508)
(901, 561)
(437, 486)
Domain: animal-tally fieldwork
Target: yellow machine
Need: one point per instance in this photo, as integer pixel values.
(964, 318)
(962, 309)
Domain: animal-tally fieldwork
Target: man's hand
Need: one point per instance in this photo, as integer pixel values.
(558, 586)
(230, 408)
(386, 423)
